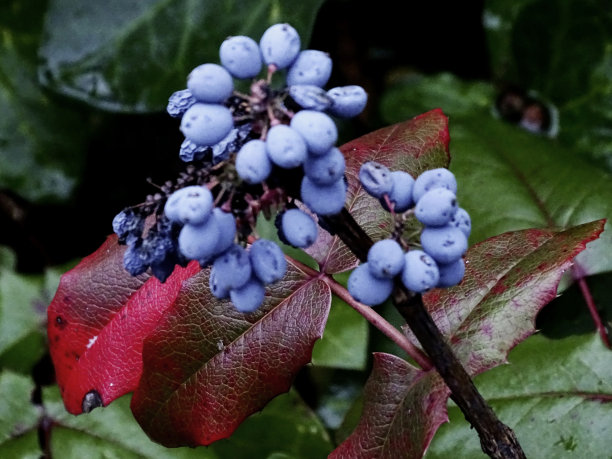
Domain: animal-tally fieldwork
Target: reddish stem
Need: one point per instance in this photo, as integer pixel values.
(578, 276)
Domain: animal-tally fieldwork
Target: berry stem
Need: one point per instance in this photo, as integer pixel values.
(496, 439)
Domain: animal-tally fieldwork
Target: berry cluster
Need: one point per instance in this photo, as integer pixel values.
(246, 154)
(443, 241)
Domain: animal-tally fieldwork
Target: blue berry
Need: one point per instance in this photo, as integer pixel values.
(311, 67)
(252, 162)
(318, 130)
(210, 83)
(199, 242)
(368, 289)
(268, 261)
(286, 147)
(249, 297)
(190, 151)
(219, 291)
(280, 45)
(375, 178)
(179, 102)
(232, 268)
(310, 97)
(347, 101)
(298, 228)
(206, 124)
(227, 229)
(433, 178)
(462, 220)
(436, 207)
(323, 199)
(386, 259)
(401, 192)
(452, 273)
(192, 205)
(444, 244)
(325, 169)
(240, 56)
(420, 271)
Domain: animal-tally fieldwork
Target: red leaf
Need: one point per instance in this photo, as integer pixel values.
(207, 366)
(412, 146)
(508, 279)
(98, 320)
(403, 408)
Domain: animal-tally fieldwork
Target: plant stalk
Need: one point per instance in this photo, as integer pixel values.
(496, 439)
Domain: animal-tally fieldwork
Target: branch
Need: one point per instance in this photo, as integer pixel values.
(496, 439)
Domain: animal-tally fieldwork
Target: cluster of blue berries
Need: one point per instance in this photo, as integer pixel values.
(246, 154)
(444, 238)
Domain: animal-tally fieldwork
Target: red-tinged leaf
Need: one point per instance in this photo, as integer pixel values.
(207, 366)
(98, 320)
(508, 279)
(403, 408)
(412, 146)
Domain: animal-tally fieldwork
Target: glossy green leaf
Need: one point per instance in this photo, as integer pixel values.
(130, 55)
(508, 178)
(17, 414)
(41, 139)
(345, 340)
(557, 395)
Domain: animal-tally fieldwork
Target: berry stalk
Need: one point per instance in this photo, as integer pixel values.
(496, 439)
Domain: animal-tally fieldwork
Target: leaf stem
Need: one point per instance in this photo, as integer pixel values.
(370, 315)
(578, 276)
(379, 322)
(496, 439)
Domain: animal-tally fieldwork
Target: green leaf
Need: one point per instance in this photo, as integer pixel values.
(508, 178)
(130, 55)
(108, 432)
(22, 447)
(22, 308)
(286, 428)
(40, 139)
(345, 340)
(286, 425)
(571, 66)
(556, 394)
(17, 413)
